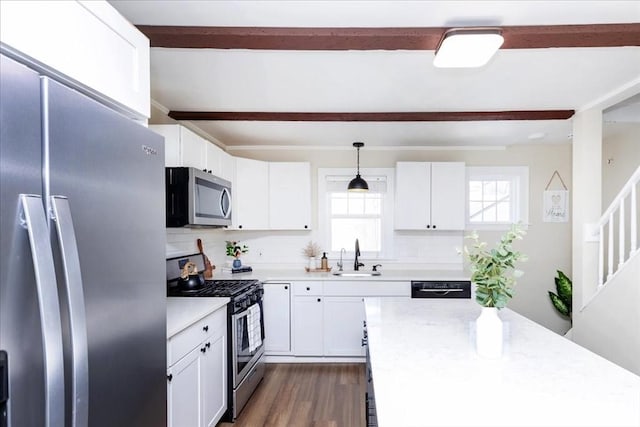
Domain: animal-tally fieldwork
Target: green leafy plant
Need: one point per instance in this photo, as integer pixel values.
(562, 300)
(234, 248)
(493, 270)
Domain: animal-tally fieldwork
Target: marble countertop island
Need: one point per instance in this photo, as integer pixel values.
(426, 372)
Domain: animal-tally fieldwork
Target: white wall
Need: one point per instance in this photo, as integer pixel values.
(620, 158)
(548, 245)
(613, 319)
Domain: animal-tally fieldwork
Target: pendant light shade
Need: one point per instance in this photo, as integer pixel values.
(357, 183)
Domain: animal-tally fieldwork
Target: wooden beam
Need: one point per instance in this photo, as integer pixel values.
(287, 38)
(430, 116)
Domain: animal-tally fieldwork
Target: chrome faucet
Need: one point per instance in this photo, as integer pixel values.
(356, 264)
(340, 264)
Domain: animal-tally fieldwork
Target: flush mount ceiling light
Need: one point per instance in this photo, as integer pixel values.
(357, 183)
(467, 47)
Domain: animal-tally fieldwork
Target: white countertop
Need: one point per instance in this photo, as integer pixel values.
(387, 275)
(426, 372)
(184, 311)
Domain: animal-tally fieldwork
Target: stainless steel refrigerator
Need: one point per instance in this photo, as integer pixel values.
(82, 260)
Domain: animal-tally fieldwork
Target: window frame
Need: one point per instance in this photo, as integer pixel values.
(386, 216)
(518, 176)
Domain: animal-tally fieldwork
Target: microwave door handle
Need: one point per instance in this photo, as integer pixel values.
(61, 215)
(34, 220)
(224, 195)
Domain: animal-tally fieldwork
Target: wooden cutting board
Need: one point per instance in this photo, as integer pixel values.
(208, 267)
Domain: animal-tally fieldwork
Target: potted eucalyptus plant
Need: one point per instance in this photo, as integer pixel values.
(494, 273)
(235, 249)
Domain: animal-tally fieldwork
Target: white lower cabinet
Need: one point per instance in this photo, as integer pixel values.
(196, 376)
(183, 397)
(343, 325)
(214, 390)
(308, 325)
(276, 304)
(328, 316)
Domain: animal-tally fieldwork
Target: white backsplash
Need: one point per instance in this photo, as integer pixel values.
(283, 249)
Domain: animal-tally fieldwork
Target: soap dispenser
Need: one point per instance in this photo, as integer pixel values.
(324, 262)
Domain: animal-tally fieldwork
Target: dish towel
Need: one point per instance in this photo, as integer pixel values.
(253, 325)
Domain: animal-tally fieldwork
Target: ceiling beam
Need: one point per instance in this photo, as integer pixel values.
(431, 116)
(287, 38)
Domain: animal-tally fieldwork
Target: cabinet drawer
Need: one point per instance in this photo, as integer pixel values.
(214, 324)
(307, 288)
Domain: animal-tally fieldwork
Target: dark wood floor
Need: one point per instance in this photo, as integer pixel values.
(300, 395)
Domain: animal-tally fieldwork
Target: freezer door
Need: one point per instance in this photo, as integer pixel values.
(111, 171)
(21, 334)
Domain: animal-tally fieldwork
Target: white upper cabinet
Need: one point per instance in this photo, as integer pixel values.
(185, 148)
(251, 195)
(289, 195)
(413, 196)
(430, 196)
(88, 44)
(448, 196)
(272, 195)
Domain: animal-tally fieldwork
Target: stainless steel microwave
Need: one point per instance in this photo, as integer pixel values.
(196, 198)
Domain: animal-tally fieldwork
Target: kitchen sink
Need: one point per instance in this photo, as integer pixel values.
(357, 273)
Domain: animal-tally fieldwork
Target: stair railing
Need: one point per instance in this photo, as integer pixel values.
(606, 256)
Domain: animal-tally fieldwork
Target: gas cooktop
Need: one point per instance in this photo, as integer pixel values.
(214, 288)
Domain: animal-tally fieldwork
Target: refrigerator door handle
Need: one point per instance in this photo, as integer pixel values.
(61, 215)
(35, 221)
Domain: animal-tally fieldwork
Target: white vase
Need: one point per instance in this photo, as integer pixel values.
(312, 263)
(489, 333)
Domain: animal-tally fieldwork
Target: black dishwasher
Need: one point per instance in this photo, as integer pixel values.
(440, 289)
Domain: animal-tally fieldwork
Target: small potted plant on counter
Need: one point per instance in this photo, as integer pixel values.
(494, 274)
(234, 249)
(311, 251)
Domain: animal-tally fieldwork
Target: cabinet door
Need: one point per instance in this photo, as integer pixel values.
(171, 133)
(213, 158)
(251, 195)
(448, 196)
(307, 326)
(193, 149)
(413, 195)
(183, 391)
(228, 168)
(213, 380)
(343, 325)
(277, 318)
(88, 42)
(289, 195)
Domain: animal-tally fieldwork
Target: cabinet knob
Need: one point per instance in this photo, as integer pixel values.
(286, 287)
(434, 227)
(428, 226)
(208, 345)
(318, 299)
(205, 328)
(169, 377)
(203, 349)
(306, 226)
(308, 288)
(239, 226)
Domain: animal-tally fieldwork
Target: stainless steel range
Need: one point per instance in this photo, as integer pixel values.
(245, 326)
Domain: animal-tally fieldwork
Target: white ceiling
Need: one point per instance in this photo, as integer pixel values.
(388, 81)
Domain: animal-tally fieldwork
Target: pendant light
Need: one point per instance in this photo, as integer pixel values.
(357, 183)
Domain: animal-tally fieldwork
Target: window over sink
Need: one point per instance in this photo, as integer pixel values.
(349, 216)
